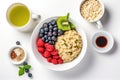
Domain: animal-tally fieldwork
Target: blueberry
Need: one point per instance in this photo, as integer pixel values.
(46, 40)
(29, 74)
(45, 25)
(49, 38)
(54, 33)
(60, 32)
(43, 39)
(27, 70)
(53, 42)
(50, 30)
(50, 27)
(25, 63)
(55, 28)
(42, 30)
(46, 33)
(53, 22)
(18, 43)
(53, 38)
(41, 35)
(46, 29)
(49, 34)
(45, 36)
(50, 42)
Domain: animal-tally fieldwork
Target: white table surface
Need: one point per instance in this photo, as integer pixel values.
(94, 66)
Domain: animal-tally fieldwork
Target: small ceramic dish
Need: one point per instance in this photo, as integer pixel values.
(10, 52)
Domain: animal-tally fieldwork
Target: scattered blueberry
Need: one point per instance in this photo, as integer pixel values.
(29, 74)
(41, 35)
(18, 43)
(45, 25)
(25, 63)
(27, 70)
(46, 33)
(54, 26)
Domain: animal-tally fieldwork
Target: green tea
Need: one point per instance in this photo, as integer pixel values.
(18, 15)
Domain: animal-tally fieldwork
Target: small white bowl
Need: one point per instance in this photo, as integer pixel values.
(58, 67)
(110, 42)
(19, 62)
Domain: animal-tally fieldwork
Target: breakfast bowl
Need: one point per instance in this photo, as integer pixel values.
(17, 54)
(58, 67)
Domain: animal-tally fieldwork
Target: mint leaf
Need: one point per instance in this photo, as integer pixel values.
(21, 71)
(68, 14)
(27, 67)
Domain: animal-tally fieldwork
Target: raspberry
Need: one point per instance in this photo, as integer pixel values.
(47, 54)
(49, 59)
(49, 47)
(41, 49)
(60, 61)
(56, 57)
(55, 52)
(40, 43)
(54, 61)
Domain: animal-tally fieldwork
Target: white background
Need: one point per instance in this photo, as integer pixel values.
(94, 66)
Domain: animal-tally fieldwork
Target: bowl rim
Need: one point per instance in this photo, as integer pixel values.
(84, 48)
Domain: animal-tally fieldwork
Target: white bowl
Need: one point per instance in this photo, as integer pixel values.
(19, 62)
(59, 67)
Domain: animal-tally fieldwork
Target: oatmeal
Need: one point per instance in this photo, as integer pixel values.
(91, 10)
(69, 45)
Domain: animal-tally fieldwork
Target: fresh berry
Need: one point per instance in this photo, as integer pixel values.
(50, 30)
(43, 39)
(18, 43)
(55, 28)
(46, 29)
(30, 75)
(53, 22)
(60, 61)
(42, 30)
(53, 42)
(54, 33)
(41, 35)
(49, 59)
(50, 42)
(49, 34)
(41, 49)
(54, 61)
(27, 70)
(25, 63)
(56, 57)
(53, 38)
(47, 54)
(40, 43)
(49, 47)
(60, 32)
(46, 40)
(45, 25)
(50, 27)
(49, 38)
(55, 52)
(45, 36)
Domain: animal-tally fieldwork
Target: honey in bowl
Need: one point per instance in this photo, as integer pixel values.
(17, 54)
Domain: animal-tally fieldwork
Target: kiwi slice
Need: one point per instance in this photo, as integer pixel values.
(63, 23)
